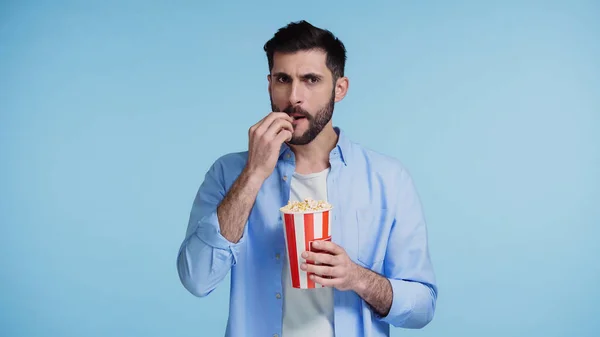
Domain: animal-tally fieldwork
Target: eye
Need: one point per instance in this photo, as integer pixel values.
(283, 79)
(312, 79)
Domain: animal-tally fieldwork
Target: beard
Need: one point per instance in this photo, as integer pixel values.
(316, 123)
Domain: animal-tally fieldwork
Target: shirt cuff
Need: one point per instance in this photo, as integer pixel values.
(411, 305)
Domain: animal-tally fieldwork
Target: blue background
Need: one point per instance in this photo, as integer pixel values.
(111, 113)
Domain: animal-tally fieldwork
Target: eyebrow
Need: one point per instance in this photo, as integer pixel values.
(304, 76)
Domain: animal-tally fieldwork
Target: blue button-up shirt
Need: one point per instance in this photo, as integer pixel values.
(377, 219)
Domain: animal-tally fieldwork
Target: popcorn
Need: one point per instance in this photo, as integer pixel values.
(308, 205)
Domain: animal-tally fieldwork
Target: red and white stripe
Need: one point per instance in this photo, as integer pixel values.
(300, 231)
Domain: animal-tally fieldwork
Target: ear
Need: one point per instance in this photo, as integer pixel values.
(269, 86)
(341, 88)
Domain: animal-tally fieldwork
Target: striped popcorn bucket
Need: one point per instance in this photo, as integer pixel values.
(301, 230)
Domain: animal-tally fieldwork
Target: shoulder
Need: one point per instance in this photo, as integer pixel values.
(229, 166)
(386, 173)
(232, 159)
(381, 168)
(376, 161)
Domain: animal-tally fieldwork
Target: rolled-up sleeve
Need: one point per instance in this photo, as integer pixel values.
(206, 256)
(407, 263)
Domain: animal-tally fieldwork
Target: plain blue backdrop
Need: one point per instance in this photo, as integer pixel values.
(112, 111)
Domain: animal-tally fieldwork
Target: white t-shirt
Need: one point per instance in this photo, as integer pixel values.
(307, 312)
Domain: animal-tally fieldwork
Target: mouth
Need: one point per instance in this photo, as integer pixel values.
(297, 116)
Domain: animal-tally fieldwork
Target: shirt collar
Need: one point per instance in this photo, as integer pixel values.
(341, 151)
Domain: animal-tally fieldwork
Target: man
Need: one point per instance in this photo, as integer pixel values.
(376, 270)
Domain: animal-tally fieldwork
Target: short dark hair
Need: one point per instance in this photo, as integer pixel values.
(301, 35)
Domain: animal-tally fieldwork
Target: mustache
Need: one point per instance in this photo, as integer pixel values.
(296, 110)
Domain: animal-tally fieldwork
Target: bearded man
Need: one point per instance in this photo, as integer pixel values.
(376, 271)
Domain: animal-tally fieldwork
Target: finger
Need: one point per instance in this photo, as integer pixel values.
(254, 127)
(278, 125)
(327, 282)
(268, 120)
(322, 270)
(283, 136)
(279, 132)
(322, 258)
(329, 246)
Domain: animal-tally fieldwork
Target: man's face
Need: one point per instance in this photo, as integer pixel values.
(301, 85)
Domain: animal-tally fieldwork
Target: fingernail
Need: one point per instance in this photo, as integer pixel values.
(316, 244)
(304, 255)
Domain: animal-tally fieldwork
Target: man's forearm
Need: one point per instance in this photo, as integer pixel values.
(234, 210)
(375, 289)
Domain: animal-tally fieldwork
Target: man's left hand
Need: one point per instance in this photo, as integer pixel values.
(335, 269)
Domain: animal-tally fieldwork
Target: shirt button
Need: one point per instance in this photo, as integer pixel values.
(278, 295)
(287, 155)
(277, 256)
(284, 178)
(275, 335)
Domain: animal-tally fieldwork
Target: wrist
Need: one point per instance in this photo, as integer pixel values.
(252, 177)
(360, 283)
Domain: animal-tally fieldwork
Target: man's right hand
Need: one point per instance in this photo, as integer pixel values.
(265, 139)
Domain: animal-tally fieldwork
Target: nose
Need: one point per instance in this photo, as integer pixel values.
(296, 94)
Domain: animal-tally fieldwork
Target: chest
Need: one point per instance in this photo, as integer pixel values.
(360, 221)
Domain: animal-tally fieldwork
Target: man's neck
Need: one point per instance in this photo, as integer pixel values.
(314, 157)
